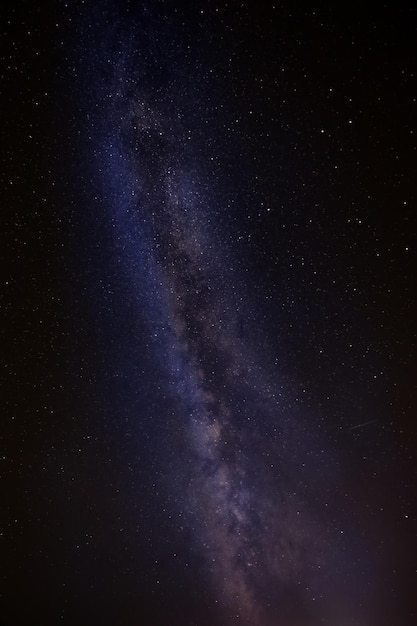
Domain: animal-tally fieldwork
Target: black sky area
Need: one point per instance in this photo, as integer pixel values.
(209, 313)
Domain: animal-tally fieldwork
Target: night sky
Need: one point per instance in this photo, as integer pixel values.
(209, 298)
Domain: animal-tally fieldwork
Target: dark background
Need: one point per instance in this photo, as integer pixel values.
(318, 109)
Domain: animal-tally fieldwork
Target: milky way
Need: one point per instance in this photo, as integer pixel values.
(247, 479)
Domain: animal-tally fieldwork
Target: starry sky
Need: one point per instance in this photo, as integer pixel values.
(209, 338)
